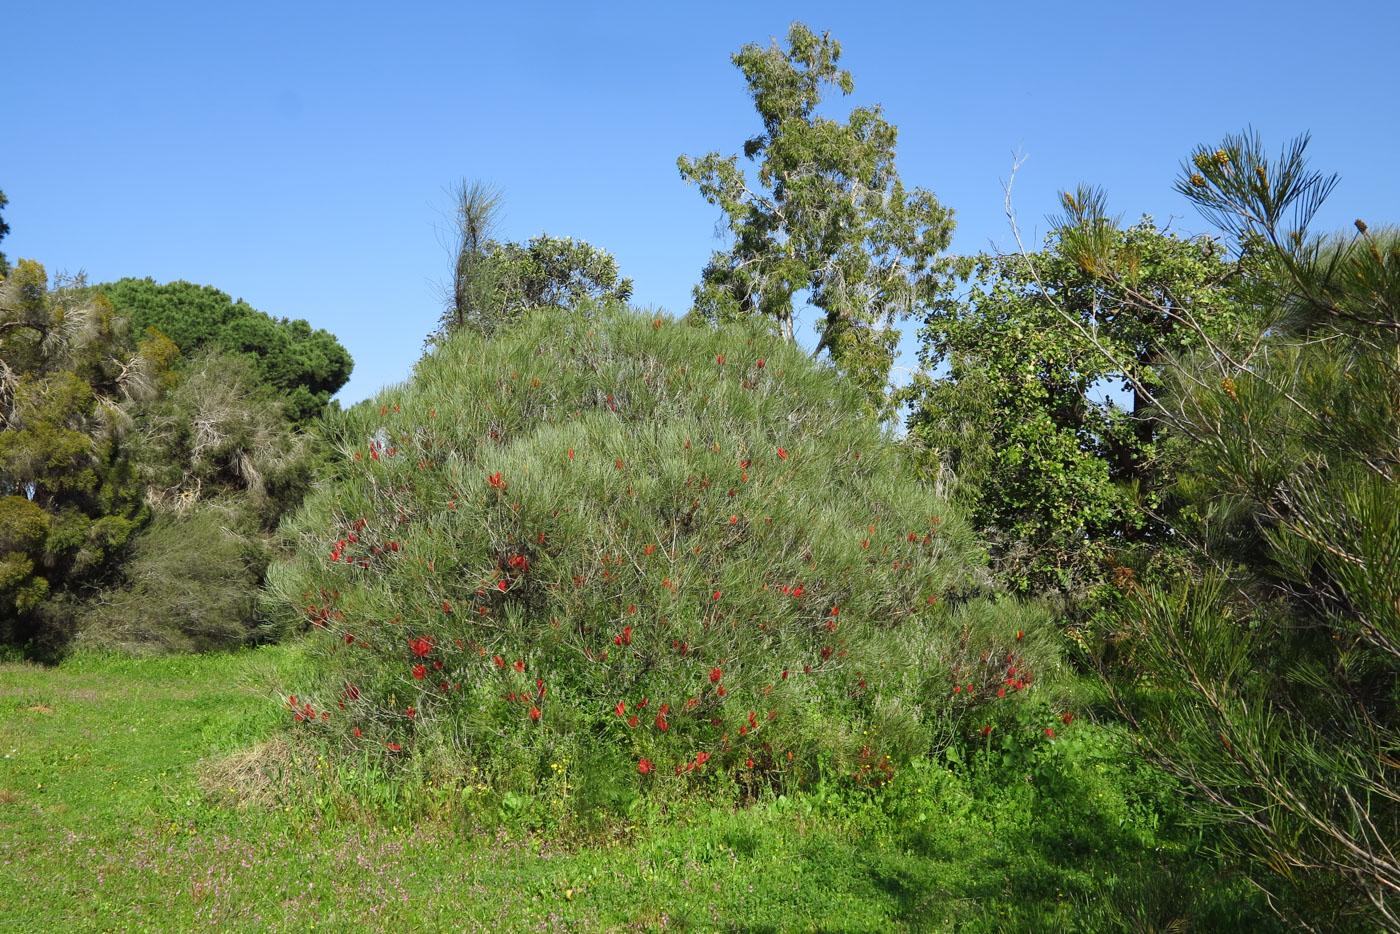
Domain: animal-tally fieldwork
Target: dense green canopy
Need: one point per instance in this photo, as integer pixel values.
(305, 367)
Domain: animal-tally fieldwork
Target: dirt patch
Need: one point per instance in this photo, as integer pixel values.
(40, 708)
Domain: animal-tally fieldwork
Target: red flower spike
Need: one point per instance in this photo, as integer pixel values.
(503, 585)
(632, 721)
(620, 709)
(349, 639)
(534, 713)
(500, 662)
(985, 730)
(716, 596)
(701, 758)
(1019, 635)
(1067, 719)
(357, 732)
(716, 674)
(419, 671)
(1049, 732)
(661, 723)
(393, 747)
(720, 359)
(785, 674)
(519, 664)
(782, 455)
(760, 363)
(645, 767)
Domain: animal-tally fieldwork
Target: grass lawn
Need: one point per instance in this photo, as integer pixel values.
(106, 826)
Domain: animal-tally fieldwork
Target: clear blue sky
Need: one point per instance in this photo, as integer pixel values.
(295, 154)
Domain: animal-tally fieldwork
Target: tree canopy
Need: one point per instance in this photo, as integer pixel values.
(827, 214)
(304, 367)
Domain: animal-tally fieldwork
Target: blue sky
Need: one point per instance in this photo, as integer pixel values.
(296, 154)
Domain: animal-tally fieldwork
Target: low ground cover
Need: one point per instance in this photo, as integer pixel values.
(109, 822)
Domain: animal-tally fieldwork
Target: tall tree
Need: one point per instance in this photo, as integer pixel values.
(826, 214)
(1035, 363)
(4, 229)
(302, 365)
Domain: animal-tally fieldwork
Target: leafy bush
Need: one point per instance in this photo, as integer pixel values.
(643, 545)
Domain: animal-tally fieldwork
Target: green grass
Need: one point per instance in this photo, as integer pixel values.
(106, 826)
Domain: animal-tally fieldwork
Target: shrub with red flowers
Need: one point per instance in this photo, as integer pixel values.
(596, 540)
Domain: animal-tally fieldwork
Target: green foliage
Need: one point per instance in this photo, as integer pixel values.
(69, 380)
(494, 282)
(1267, 678)
(220, 466)
(1063, 478)
(4, 229)
(306, 367)
(827, 213)
(595, 517)
(140, 788)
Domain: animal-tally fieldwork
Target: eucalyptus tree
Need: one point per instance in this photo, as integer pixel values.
(825, 214)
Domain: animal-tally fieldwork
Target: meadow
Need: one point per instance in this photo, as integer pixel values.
(111, 820)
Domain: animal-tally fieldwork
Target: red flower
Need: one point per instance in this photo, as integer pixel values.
(419, 671)
(719, 358)
(748, 762)
(835, 611)
(782, 455)
(502, 585)
(500, 662)
(1049, 732)
(957, 689)
(1019, 635)
(649, 549)
(357, 732)
(661, 723)
(620, 709)
(393, 747)
(716, 596)
(519, 664)
(721, 690)
(534, 713)
(496, 481)
(760, 363)
(785, 674)
(411, 712)
(443, 686)
(826, 652)
(645, 767)
(632, 721)
(701, 758)
(985, 730)
(571, 453)
(1067, 719)
(716, 674)
(619, 465)
(1001, 692)
(422, 645)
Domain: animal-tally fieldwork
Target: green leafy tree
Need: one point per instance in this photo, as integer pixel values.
(826, 214)
(636, 543)
(495, 282)
(1267, 677)
(305, 366)
(70, 380)
(4, 229)
(1022, 411)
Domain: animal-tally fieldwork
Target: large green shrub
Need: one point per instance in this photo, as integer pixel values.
(659, 545)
